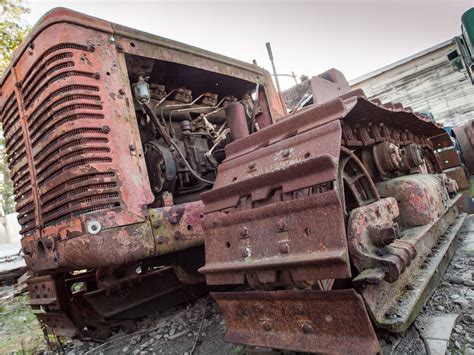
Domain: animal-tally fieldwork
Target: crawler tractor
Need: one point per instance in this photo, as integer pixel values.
(147, 171)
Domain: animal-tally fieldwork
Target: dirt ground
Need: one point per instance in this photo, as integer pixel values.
(199, 328)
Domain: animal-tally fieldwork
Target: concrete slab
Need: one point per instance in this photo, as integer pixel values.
(10, 258)
(437, 347)
(9, 249)
(437, 327)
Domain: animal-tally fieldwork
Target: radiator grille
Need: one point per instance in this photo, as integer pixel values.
(18, 164)
(70, 145)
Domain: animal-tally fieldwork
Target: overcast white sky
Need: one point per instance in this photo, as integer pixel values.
(307, 37)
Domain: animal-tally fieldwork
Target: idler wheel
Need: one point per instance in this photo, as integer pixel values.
(387, 157)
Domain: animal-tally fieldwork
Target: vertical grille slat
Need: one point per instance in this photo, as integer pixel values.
(17, 164)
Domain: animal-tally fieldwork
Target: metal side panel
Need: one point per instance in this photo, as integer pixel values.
(334, 322)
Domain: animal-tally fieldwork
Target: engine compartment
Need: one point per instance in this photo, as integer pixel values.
(197, 114)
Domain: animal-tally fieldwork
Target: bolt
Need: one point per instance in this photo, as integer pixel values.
(105, 129)
(178, 235)
(281, 225)
(132, 147)
(252, 165)
(243, 231)
(244, 252)
(122, 92)
(111, 39)
(284, 248)
(267, 326)
(298, 309)
(49, 244)
(96, 76)
(119, 47)
(91, 47)
(390, 315)
(173, 220)
(382, 235)
(160, 239)
(307, 328)
(285, 153)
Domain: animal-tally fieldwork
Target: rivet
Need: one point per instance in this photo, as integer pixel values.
(284, 248)
(281, 225)
(132, 147)
(119, 47)
(267, 326)
(307, 328)
(243, 231)
(285, 152)
(160, 239)
(252, 165)
(122, 92)
(244, 252)
(298, 309)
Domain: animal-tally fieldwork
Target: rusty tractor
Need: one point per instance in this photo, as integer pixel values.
(147, 172)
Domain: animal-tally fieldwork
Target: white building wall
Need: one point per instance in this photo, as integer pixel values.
(424, 82)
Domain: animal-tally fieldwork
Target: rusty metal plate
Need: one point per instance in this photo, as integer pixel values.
(448, 158)
(43, 292)
(177, 227)
(303, 236)
(441, 141)
(308, 321)
(458, 174)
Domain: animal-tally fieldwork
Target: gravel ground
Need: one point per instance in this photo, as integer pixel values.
(197, 328)
(455, 293)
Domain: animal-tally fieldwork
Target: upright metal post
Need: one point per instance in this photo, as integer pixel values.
(270, 55)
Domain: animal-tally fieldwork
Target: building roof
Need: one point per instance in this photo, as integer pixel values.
(400, 62)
